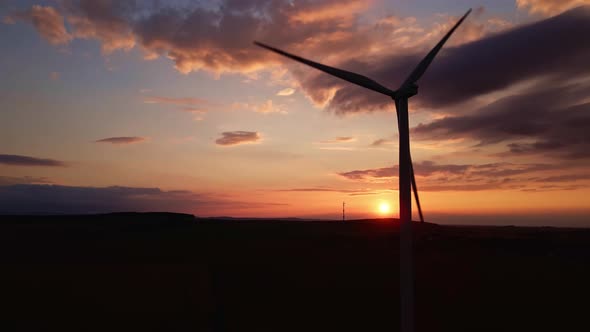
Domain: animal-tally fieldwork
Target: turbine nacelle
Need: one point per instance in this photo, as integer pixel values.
(406, 91)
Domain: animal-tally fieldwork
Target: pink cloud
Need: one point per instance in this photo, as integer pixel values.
(230, 138)
(329, 10)
(550, 7)
(48, 22)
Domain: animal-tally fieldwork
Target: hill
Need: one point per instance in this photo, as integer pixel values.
(172, 272)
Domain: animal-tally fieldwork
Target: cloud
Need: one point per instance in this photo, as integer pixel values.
(185, 101)
(381, 142)
(551, 120)
(196, 36)
(125, 140)
(349, 192)
(565, 178)
(12, 180)
(266, 107)
(48, 22)
(286, 92)
(341, 139)
(105, 21)
(486, 55)
(230, 138)
(58, 199)
(17, 160)
(371, 174)
(432, 176)
(54, 76)
(462, 73)
(549, 7)
(8, 20)
(330, 10)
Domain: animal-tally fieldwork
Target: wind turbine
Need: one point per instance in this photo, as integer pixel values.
(407, 179)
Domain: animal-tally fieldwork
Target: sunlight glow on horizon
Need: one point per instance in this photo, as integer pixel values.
(384, 208)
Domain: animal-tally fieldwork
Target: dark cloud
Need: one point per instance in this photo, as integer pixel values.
(124, 140)
(381, 142)
(565, 178)
(466, 177)
(11, 180)
(238, 137)
(17, 160)
(57, 199)
(197, 37)
(425, 168)
(543, 121)
(377, 173)
(558, 46)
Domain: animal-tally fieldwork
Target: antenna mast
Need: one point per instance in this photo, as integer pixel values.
(343, 215)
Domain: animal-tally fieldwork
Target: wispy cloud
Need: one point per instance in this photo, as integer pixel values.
(286, 92)
(475, 177)
(48, 22)
(350, 192)
(59, 199)
(18, 160)
(183, 101)
(124, 140)
(381, 142)
(231, 138)
(265, 107)
(340, 139)
(12, 180)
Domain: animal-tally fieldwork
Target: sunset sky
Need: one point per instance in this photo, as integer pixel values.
(167, 106)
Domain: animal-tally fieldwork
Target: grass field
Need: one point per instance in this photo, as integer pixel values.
(170, 272)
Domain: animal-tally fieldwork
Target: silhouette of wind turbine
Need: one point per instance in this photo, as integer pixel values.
(407, 179)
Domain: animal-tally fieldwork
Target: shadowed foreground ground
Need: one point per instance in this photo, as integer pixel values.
(165, 272)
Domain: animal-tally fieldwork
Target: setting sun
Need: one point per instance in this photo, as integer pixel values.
(384, 208)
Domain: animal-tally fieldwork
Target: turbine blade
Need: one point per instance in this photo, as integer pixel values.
(423, 65)
(357, 79)
(415, 189)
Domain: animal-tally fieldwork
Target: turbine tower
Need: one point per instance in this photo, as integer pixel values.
(407, 181)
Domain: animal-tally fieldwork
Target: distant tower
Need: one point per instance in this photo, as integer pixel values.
(343, 215)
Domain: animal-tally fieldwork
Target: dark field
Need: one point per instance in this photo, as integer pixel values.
(165, 272)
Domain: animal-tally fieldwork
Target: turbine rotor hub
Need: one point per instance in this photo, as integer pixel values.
(406, 91)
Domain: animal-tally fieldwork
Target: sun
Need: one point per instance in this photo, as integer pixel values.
(384, 208)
